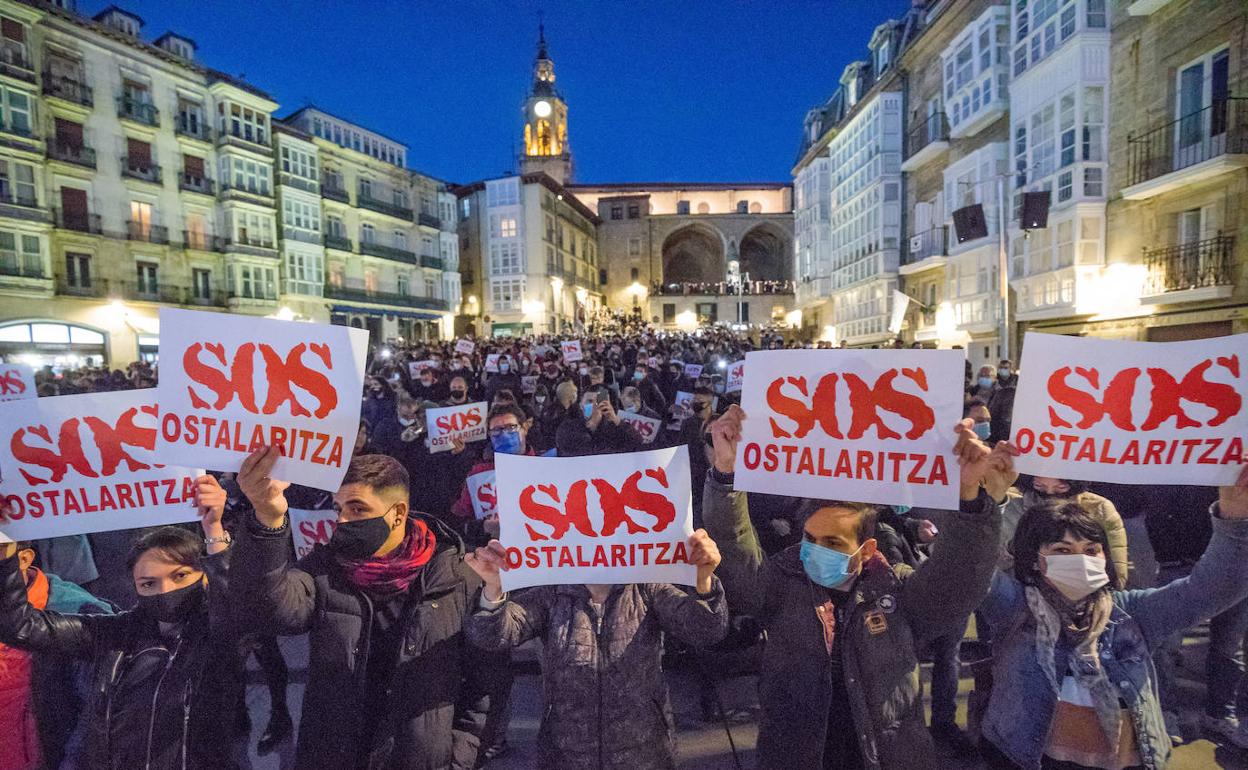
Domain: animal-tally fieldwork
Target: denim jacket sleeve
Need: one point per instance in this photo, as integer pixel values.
(1218, 581)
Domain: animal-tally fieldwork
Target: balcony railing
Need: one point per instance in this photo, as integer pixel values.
(333, 192)
(12, 267)
(229, 189)
(251, 138)
(384, 298)
(367, 201)
(77, 154)
(929, 243)
(301, 235)
(91, 288)
(149, 292)
(723, 288)
(429, 220)
(1219, 129)
(79, 222)
(139, 169)
(147, 232)
(195, 183)
(237, 295)
(251, 245)
(934, 129)
(139, 112)
(338, 242)
(388, 252)
(68, 89)
(193, 129)
(16, 64)
(428, 260)
(300, 183)
(202, 241)
(1195, 265)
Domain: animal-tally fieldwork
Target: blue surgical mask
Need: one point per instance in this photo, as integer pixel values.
(1003, 373)
(983, 430)
(638, 376)
(588, 409)
(985, 382)
(902, 510)
(507, 443)
(826, 566)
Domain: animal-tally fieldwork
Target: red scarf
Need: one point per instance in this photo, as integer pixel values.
(394, 572)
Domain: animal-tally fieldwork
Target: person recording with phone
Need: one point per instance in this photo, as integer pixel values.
(596, 430)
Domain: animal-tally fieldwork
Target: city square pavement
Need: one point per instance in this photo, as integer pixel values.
(705, 746)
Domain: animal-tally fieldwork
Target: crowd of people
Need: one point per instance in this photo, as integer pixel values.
(126, 649)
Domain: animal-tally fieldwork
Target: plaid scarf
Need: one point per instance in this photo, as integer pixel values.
(395, 572)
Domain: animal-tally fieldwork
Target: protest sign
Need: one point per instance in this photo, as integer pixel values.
(465, 347)
(736, 376)
(465, 422)
(582, 520)
(17, 382)
(874, 426)
(1132, 412)
(491, 362)
(571, 350)
(84, 463)
(311, 528)
(652, 362)
(528, 383)
(416, 367)
(232, 384)
(693, 371)
(683, 401)
(646, 427)
(481, 489)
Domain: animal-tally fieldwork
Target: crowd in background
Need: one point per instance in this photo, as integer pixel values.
(541, 404)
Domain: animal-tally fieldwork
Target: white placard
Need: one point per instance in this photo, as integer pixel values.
(571, 350)
(736, 376)
(873, 426)
(582, 520)
(1132, 412)
(465, 422)
(528, 383)
(465, 347)
(415, 367)
(17, 382)
(491, 362)
(482, 491)
(311, 528)
(85, 463)
(231, 384)
(693, 371)
(647, 427)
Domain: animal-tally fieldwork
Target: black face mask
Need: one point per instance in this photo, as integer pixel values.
(176, 606)
(355, 540)
(457, 394)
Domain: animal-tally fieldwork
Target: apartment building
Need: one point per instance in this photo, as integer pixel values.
(529, 257)
(382, 234)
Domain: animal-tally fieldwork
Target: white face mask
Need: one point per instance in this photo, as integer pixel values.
(1075, 574)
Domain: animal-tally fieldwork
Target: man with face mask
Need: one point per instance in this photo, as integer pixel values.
(821, 707)
(597, 429)
(391, 682)
(458, 393)
(505, 378)
(651, 396)
(508, 434)
(631, 403)
(428, 386)
(977, 412)
(985, 384)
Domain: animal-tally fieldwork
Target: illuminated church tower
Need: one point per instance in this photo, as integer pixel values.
(546, 121)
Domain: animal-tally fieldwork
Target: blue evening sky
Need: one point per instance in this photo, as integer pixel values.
(658, 90)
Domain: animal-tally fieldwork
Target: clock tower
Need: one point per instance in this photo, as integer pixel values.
(546, 121)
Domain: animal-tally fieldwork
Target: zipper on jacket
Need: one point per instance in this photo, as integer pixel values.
(600, 612)
(186, 719)
(151, 722)
(108, 704)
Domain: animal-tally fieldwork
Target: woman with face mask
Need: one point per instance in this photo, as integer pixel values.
(1033, 491)
(1073, 681)
(167, 677)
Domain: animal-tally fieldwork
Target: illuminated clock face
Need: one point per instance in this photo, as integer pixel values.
(542, 108)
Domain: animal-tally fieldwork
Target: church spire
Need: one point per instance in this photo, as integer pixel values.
(541, 40)
(546, 119)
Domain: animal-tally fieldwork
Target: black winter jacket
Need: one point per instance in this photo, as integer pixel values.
(437, 697)
(157, 702)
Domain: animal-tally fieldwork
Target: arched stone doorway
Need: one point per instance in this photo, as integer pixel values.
(693, 254)
(766, 253)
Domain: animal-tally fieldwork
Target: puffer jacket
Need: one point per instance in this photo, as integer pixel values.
(438, 695)
(894, 611)
(606, 702)
(1115, 531)
(1020, 709)
(156, 702)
